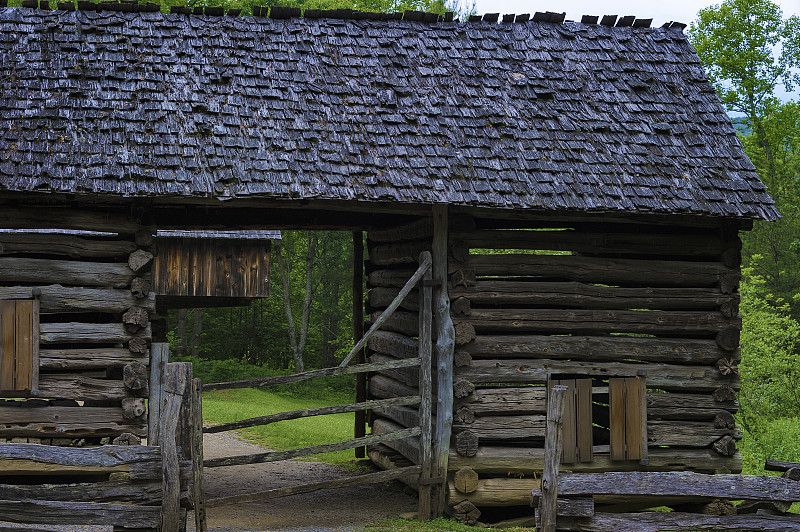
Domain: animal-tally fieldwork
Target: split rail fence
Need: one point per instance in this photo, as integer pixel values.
(422, 278)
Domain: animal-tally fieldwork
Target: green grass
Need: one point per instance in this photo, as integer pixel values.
(235, 405)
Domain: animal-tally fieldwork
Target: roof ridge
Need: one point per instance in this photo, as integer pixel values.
(279, 12)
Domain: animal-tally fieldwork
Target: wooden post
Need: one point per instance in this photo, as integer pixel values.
(197, 457)
(445, 346)
(552, 456)
(425, 391)
(358, 332)
(175, 383)
(159, 356)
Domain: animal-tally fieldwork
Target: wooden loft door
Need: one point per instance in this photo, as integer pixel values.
(19, 345)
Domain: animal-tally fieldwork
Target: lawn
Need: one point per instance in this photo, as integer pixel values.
(234, 405)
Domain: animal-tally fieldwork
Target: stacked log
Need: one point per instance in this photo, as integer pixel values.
(90, 271)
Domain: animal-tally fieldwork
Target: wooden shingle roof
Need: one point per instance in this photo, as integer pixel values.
(529, 115)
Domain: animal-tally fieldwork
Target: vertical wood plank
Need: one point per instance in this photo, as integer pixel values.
(201, 524)
(552, 455)
(193, 257)
(209, 269)
(35, 308)
(569, 429)
(159, 357)
(445, 346)
(265, 261)
(24, 349)
(174, 388)
(583, 407)
(425, 391)
(185, 416)
(238, 267)
(360, 428)
(616, 398)
(645, 457)
(633, 419)
(8, 324)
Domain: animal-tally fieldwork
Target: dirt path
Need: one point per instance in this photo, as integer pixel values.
(327, 510)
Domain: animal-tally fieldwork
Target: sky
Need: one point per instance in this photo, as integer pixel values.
(662, 11)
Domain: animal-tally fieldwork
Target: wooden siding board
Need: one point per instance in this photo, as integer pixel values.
(8, 344)
(24, 347)
(583, 400)
(633, 419)
(616, 392)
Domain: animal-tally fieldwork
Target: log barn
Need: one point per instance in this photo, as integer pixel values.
(582, 178)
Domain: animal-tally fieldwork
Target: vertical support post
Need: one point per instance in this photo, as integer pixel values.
(552, 456)
(198, 486)
(642, 373)
(159, 357)
(178, 375)
(445, 346)
(358, 332)
(425, 391)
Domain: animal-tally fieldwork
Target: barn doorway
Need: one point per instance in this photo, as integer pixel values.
(297, 339)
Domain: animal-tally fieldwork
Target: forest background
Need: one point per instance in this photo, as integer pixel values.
(748, 49)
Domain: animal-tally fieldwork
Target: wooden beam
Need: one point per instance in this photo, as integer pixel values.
(80, 513)
(159, 353)
(176, 379)
(55, 217)
(661, 376)
(444, 348)
(89, 333)
(680, 484)
(89, 358)
(65, 272)
(658, 521)
(67, 422)
(28, 458)
(198, 481)
(596, 348)
(123, 491)
(57, 298)
(559, 321)
(72, 246)
(500, 460)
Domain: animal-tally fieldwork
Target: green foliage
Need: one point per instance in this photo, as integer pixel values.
(770, 367)
(778, 440)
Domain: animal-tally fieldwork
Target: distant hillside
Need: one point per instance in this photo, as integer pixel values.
(741, 125)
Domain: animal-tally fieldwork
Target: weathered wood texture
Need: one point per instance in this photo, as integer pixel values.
(680, 484)
(80, 513)
(78, 387)
(53, 217)
(177, 379)
(89, 358)
(158, 368)
(122, 491)
(558, 321)
(588, 296)
(497, 492)
(67, 422)
(212, 267)
(597, 348)
(198, 478)
(659, 521)
(661, 376)
(607, 271)
(499, 460)
(33, 459)
(73, 246)
(19, 345)
(552, 457)
(65, 272)
(88, 333)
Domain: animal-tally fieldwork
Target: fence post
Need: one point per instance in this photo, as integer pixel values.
(360, 429)
(445, 346)
(197, 456)
(159, 356)
(177, 379)
(425, 391)
(552, 456)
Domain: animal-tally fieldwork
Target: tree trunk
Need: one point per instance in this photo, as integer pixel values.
(183, 341)
(197, 330)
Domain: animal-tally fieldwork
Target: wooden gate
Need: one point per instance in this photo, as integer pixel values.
(423, 470)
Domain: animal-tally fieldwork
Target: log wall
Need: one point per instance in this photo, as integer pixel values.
(96, 303)
(539, 299)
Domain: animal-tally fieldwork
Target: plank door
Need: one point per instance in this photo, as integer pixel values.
(19, 345)
(577, 421)
(627, 401)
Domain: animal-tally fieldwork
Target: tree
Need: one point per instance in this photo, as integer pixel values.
(747, 49)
